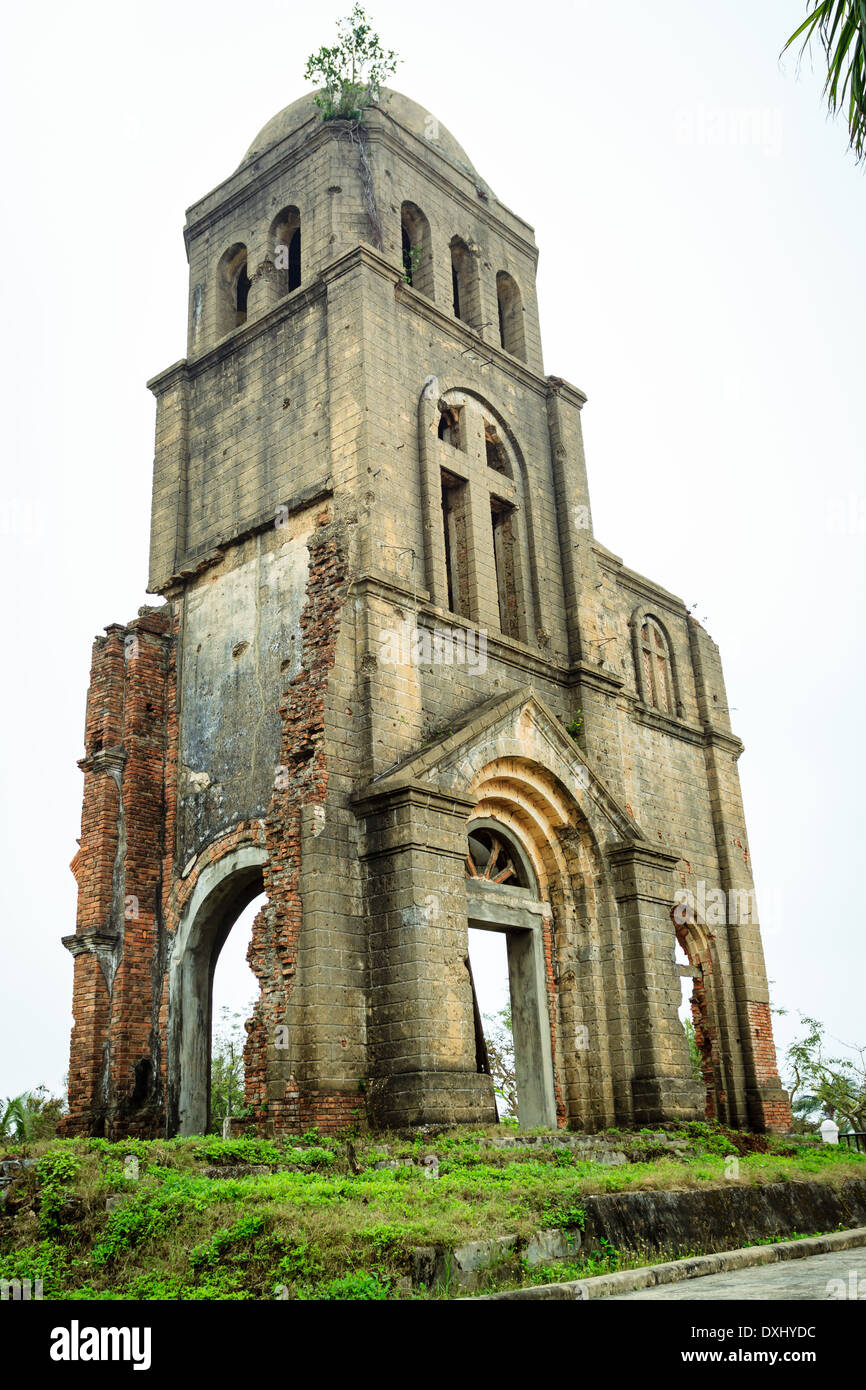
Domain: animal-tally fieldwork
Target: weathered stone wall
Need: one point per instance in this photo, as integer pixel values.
(241, 642)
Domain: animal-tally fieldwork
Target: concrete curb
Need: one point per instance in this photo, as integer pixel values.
(626, 1281)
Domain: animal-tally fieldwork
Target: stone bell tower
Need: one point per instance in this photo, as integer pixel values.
(397, 685)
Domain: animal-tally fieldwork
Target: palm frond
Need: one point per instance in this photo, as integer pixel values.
(840, 28)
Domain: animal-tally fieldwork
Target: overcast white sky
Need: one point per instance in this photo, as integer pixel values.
(701, 278)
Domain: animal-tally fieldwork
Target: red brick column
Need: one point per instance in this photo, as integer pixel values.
(115, 1038)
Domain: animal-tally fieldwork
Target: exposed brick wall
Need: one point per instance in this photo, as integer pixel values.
(301, 779)
(115, 1049)
(774, 1103)
(170, 804)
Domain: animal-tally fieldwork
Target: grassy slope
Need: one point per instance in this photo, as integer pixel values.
(316, 1229)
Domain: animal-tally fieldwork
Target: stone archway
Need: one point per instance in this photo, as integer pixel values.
(223, 890)
(502, 896)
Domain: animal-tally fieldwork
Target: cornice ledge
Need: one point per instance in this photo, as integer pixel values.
(266, 521)
(362, 254)
(106, 760)
(92, 940)
(585, 674)
(384, 583)
(654, 719)
(645, 852)
(719, 738)
(647, 588)
(558, 386)
(403, 791)
(189, 367)
(466, 335)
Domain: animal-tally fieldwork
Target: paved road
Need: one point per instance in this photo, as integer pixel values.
(805, 1280)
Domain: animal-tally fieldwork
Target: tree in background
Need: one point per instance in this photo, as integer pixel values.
(694, 1051)
(353, 71)
(819, 1082)
(840, 28)
(499, 1037)
(32, 1115)
(227, 1068)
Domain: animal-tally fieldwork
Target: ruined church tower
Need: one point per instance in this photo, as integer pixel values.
(397, 684)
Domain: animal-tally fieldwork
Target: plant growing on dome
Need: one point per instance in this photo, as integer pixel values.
(353, 71)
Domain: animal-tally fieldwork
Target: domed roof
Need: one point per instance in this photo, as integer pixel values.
(406, 112)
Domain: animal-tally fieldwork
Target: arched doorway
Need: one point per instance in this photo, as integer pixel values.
(695, 963)
(222, 892)
(502, 896)
(235, 990)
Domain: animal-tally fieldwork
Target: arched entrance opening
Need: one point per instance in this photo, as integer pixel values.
(223, 890)
(695, 964)
(502, 898)
(234, 992)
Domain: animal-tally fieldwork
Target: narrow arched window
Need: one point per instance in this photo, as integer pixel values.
(655, 654)
(233, 286)
(455, 524)
(286, 242)
(416, 249)
(502, 521)
(511, 332)
(464, 282)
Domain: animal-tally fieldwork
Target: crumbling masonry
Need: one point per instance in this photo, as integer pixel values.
(398, 685)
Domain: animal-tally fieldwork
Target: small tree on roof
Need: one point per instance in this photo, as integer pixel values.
(353, 71)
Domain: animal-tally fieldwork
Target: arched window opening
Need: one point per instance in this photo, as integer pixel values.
(511, 328)
(501, 515)
(417, 249)
(233, 285)
(497, 458)
(494, 858)
(464, 278)
(286, 241)
(449, 426)
(656, 660)
(455, 525)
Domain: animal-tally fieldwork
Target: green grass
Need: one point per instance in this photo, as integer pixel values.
(311, 1228)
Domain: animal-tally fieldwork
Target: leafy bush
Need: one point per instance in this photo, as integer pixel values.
(149, 1216)
(352, 1286)
(55, 1171)
(224, 1243)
